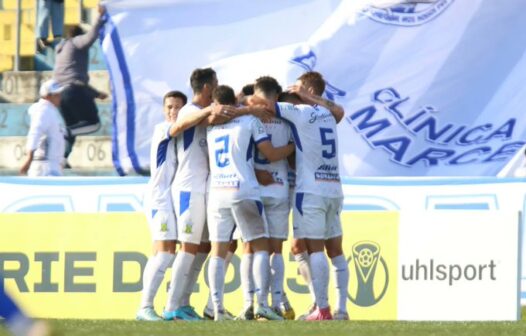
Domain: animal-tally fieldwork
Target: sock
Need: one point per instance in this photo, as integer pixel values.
(216, 279)
(15, 320)
(228, 259)
(261, 272)
(197, 265)
(340, 270)
(277, 267)
(153, 276)
(180, 274)
(285, 299)
(247, 279)
(320, 278)
(305, 271)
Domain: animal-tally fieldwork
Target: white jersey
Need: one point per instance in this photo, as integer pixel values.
(231, 151)
(280, 135)
(46, 134)
(163, 163)
(314, 131)
(192, 156)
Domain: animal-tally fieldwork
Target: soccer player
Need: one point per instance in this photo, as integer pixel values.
(234, 200)
(310, 87)
(160, 213)
(275, 196)
(188, 196)
(319, 196)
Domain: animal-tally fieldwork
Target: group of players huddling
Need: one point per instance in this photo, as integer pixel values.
(226, 167)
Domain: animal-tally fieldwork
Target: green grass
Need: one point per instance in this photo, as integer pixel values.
(296, 328)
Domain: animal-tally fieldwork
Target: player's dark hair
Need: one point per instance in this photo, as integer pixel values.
(314, 80)
(289, 97)
(200, 77)
(224, 94)
(175, 94)
(248, 90)
(268, 85)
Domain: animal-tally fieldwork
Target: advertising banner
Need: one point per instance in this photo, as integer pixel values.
(416, 266)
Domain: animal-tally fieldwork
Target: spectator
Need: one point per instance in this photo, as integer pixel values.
(78, 106)
(45, 140)
(47, 9)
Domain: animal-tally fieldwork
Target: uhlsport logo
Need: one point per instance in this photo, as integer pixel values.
(405, 12)
(372, 274)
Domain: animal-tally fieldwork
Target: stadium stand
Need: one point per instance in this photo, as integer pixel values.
(92, 154)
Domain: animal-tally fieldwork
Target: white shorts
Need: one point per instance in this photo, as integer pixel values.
(246, 215)
(163, 225)
(316, 217)
(44, 168)
(277, 215)
(190, 210)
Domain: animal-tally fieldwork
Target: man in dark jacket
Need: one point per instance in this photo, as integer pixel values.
(78, 106)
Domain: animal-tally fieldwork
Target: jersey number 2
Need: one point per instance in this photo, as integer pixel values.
(222, 152)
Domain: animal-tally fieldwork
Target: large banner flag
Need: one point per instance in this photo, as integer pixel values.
(429, 87)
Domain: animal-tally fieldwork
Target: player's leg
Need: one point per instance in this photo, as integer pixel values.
(197, 265)
(208, 311)
(221, 226)
(277, 213)
(310, 216)
(340, 268)
(164, 234)
(191, 211)
(248, 215)
(247, 283)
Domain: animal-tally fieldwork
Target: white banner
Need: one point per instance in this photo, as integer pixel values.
(424, 93)
(458, 266)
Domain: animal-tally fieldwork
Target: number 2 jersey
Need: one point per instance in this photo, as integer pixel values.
(314, 132)
(231, 153)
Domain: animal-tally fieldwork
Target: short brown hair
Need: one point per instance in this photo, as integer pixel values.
(314, 80)
(224, 95)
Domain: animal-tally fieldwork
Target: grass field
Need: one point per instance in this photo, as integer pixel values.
(296, 328)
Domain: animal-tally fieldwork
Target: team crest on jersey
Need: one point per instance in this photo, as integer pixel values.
(188, 229)
(405, 12)
(164, 227)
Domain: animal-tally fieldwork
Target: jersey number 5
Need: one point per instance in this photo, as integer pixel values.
(325, 141)
(222, 152)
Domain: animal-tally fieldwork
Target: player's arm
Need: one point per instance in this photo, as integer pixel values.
(337, 111)
(192, 119)
(259, 109)
(275, 153)
(25, 166)
(264, 177)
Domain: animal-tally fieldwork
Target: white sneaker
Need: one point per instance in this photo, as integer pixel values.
(222, 315)
(148, 314)
(268, 314)
(339, 315)
(304, 316)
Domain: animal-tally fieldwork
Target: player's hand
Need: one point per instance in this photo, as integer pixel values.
(102, 95)
(264, 177)
(299, 90)
(262, 112)
(224, 111)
